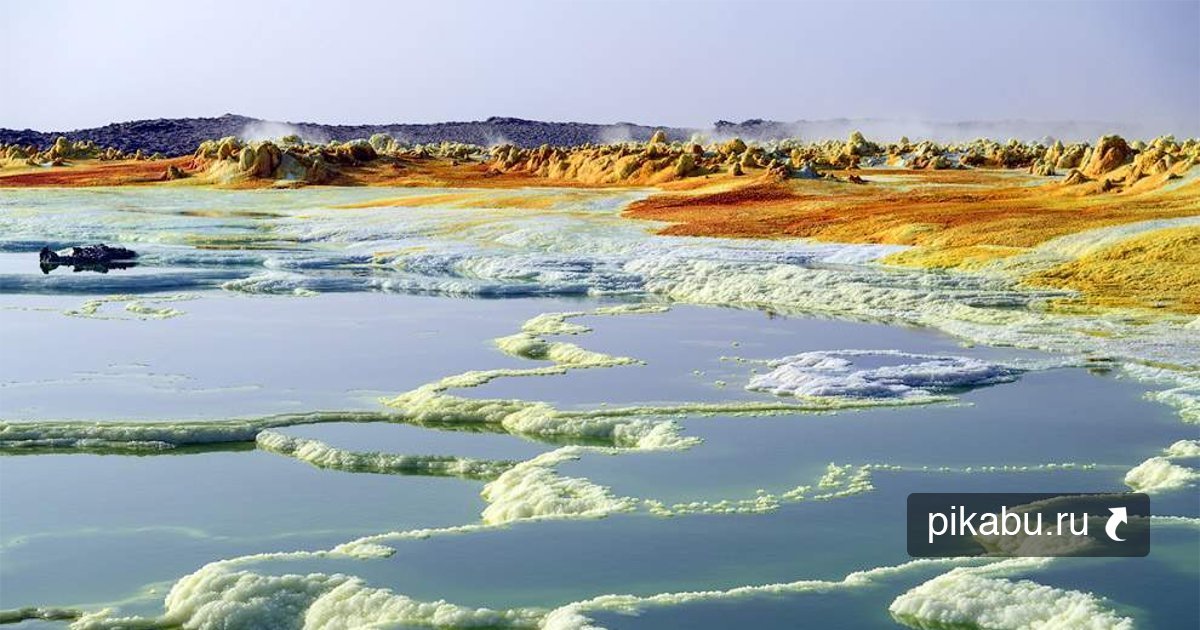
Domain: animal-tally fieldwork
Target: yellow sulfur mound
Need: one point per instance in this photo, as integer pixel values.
(967, 258)
(1160, 269)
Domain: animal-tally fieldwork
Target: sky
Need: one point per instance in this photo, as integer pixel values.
(73, 64)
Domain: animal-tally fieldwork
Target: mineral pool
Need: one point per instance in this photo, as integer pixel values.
(308, 409)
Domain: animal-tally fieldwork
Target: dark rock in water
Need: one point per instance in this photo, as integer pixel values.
(99, 258)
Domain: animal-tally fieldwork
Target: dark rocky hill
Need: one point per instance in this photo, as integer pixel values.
(180, 136)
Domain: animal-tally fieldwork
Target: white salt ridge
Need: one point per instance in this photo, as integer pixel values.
(142, 435)
(824, 374)
(282, 283)
(323, 455)
(93, 284)
(527, 346)
(86, 444)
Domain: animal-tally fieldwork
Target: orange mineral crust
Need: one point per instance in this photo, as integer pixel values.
(957, 209)
(91, 173)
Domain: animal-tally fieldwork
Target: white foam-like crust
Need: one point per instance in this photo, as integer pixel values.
(1188, 522)
(1159, 474)
(527, 346)
(1183, 448)
(827, 373)
(968, 597)
(533, 489)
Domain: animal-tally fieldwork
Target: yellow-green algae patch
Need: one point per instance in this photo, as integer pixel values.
(139, 306)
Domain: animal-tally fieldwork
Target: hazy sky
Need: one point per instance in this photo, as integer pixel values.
(79, 64)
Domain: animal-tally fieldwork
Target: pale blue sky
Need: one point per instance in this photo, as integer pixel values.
(78, 64)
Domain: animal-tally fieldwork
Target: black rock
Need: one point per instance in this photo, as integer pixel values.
(99, 258)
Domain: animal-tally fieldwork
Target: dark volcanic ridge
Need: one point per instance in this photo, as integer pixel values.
(181, 136)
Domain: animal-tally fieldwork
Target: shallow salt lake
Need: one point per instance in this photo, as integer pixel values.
(285, 304)
(539, 564)
(222, 359)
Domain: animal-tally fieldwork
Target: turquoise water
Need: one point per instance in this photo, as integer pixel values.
(268, 381)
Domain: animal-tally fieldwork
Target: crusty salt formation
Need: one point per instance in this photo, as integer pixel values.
(323, 455)
(1159, 474)
(973, 598)
(835, 374)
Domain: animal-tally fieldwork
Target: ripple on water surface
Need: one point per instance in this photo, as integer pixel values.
(85, 528)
